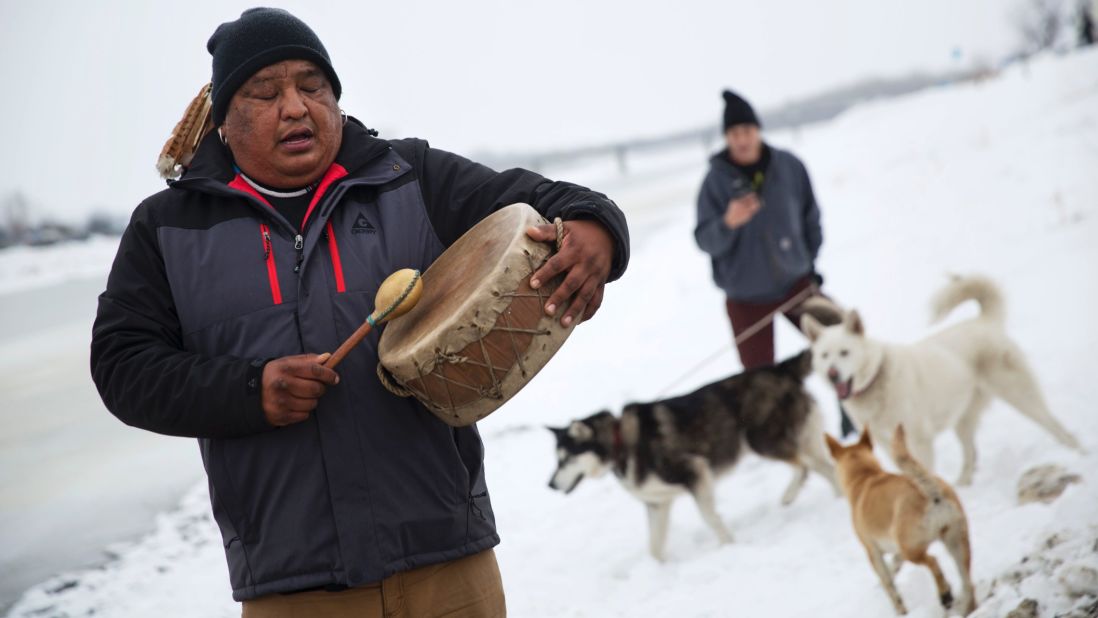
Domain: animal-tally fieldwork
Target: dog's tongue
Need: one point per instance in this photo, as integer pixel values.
(842, 389)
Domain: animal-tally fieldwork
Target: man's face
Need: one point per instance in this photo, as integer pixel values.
(283, 125)
(744, 143)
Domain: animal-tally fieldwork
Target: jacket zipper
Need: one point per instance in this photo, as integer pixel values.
(272, 267)
(299, 245)
(334, 173)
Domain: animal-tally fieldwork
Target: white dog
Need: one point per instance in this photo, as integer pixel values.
(942, 382)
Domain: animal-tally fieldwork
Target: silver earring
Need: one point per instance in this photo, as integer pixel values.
(343, 116)
(222, 137)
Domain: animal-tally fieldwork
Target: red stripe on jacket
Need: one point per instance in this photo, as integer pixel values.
(337, 264)
(334, 173)
(272, 268)
(240, 184)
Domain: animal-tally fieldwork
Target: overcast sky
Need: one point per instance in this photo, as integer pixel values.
(94, 88)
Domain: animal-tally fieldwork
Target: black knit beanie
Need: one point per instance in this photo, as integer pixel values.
(261, 37)
(738, 111)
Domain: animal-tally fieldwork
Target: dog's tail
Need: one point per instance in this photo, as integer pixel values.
(973, 287)
(928, 485)
(823, 309)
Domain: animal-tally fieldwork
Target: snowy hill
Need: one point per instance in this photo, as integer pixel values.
(994, 177)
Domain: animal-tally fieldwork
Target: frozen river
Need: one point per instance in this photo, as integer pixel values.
(73, 479)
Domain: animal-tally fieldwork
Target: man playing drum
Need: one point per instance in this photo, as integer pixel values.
(333, 496)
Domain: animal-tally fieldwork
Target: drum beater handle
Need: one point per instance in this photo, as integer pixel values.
(397, 295)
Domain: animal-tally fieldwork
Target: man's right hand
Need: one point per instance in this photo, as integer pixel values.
(292, 386)
(741, 209)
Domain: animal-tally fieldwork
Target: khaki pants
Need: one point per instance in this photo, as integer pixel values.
(468, 587)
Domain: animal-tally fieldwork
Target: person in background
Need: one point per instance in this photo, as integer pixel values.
(760, 224)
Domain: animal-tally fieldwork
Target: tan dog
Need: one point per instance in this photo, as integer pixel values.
(902, 514)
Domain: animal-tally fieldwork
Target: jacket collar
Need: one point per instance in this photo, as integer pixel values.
(722, 160)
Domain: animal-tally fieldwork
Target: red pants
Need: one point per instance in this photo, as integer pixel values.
(758, 349)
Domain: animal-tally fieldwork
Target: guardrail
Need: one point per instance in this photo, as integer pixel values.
(793, 115)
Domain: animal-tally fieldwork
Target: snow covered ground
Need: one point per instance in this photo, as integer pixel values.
(995, 177)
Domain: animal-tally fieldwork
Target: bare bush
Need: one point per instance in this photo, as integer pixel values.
(1040, 24)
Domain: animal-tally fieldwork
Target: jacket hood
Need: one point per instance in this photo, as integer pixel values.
(720, 160)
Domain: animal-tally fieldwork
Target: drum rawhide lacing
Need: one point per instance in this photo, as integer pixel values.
(495, 390)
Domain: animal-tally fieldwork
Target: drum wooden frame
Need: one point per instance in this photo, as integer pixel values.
(479, 332)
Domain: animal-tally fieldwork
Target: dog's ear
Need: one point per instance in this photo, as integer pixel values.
(558, 432)
(866, 440)
(580, 431)
(599, 416)
(833, 446)
(899, 440)
(853, 322)
(811, 327)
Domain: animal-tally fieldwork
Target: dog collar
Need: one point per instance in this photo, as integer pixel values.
(876, 374)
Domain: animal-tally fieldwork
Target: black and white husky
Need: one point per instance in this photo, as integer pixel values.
(663, 449)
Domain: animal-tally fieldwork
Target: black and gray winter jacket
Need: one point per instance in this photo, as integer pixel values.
(761, 260)
(209, 282)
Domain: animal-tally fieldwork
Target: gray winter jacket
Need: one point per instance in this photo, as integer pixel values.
(761, 260)
(210, 282)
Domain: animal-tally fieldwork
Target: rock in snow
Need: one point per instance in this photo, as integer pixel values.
(1044, 483)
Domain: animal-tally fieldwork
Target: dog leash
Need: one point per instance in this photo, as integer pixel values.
(793, 301)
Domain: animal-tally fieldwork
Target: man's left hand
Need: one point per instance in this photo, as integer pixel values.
(585, 256)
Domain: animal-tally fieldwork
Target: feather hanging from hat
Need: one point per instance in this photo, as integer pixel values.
(188, 133)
